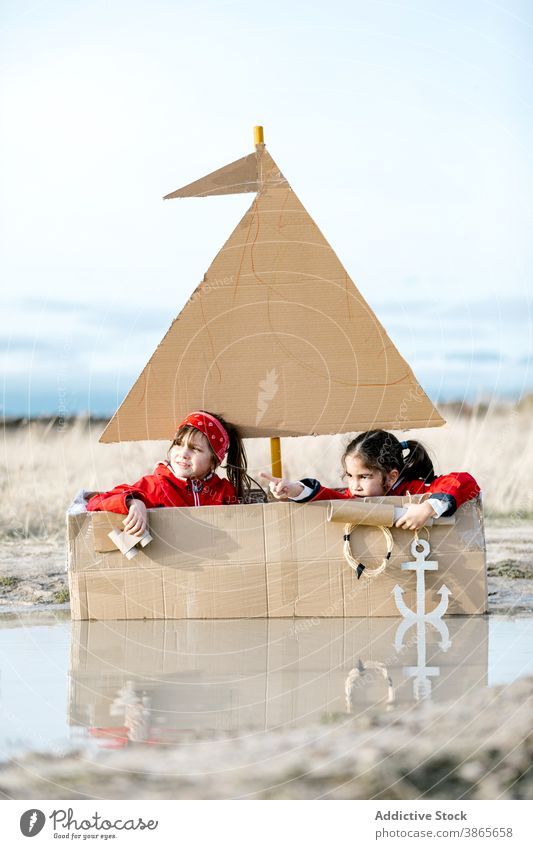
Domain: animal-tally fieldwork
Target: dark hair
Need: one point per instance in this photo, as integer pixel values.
(236, 461)
(381, 450)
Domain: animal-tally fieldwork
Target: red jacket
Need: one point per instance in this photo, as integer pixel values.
(455, 488)
(164, 489)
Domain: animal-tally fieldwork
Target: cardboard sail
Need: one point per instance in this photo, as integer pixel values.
(276, 337)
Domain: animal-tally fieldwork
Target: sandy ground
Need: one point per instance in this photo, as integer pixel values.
(476, 748)
(510, 566)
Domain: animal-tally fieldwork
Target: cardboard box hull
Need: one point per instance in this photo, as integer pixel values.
(265, 560)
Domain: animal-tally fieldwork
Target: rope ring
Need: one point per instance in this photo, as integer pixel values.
(415, 536)
(359, 567)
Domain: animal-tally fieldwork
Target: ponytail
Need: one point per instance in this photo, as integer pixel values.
(417, 463)
(236, 462)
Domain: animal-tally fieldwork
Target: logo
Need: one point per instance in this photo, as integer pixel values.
(32, 822)
(267, 390)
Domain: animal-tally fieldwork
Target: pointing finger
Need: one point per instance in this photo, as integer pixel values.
(269, 477)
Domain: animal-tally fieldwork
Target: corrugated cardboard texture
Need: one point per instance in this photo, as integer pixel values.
(235, 178)
(270, 560)
(258, 674)
(322, 363)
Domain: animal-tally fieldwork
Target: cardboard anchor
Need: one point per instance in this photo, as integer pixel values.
(278, 339)
(420, 550)
(421, 673)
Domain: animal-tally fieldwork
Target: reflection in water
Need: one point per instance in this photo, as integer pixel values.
(154, 681)
(357, 676)
(421, 673)
(135, 708)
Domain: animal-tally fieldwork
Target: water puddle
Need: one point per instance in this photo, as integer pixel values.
(109, 684)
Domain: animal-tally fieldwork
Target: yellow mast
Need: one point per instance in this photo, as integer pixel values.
(275, 443)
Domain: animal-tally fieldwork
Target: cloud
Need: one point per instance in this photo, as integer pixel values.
(113, 314)
(477, 356)
(30, 344)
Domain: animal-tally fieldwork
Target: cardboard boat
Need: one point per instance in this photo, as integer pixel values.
(278, 339)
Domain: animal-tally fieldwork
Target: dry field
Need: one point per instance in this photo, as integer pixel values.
(44, 465)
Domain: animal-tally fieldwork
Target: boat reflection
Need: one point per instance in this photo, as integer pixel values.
(162, 681)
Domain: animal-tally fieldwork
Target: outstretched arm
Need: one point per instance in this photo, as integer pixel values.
(283, 489)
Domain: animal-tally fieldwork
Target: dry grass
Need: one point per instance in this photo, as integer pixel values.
(43, 467)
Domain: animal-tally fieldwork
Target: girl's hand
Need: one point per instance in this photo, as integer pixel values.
(415, 517)
(137, 519)
(283, 489)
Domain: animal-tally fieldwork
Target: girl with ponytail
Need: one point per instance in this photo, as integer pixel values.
(377, 463)
(187, 478)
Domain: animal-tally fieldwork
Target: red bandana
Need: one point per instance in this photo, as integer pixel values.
(210, 427)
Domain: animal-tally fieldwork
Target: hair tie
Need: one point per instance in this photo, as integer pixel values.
(404, 444)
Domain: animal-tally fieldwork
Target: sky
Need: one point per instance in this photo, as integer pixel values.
(405, 128)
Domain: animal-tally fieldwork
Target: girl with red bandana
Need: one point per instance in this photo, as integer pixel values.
(377, 463)
(187, 478)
